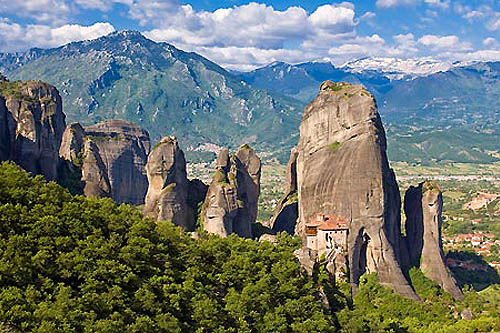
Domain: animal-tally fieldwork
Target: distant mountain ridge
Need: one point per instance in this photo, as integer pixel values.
(396, 68)
(433, 110)
(431, 113)
(163, 89)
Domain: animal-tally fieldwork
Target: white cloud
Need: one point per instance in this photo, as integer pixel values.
(442, 43)
(373, 45)
(102, 5)
(393, 3)
(480, 55)
(491, 43)
(153, 11)
(406, 43)
(368, 16)
(444, 4)
(14, 37)
(44, 11)
(255, 25)
(494, 23)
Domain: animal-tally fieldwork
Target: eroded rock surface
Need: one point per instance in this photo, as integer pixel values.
(112, 156)
(171, 196)
(31, 125)
(342, 170)
(231, 202)
(286, 212)
(423, 208)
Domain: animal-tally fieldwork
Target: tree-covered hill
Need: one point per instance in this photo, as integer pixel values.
(74, 264)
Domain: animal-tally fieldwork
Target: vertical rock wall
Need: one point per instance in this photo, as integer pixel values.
(231, 202)
(167, 197)
(342, 169)
(423, 207)
(32, 125)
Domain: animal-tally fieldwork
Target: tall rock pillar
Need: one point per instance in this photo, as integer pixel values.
(423, 206)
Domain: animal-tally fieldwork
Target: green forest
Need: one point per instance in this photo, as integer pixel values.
(75, 264)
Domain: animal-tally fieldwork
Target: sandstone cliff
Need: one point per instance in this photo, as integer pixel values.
(171, 196)
(286, 212)
(231, 202)
(342, 170)
(31, 125)
(112, 156)
(423, 207)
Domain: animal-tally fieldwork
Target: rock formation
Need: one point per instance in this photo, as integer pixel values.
(423, 207)
(31, 125)
(112, 156)
(4, 132)
(231, 202)
(286, 212)
(342, 170)
(171, 196)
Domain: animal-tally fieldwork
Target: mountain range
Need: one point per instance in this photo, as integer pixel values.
(164, 90)
(433, 111)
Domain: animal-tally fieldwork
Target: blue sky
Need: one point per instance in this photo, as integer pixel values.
(244, 35)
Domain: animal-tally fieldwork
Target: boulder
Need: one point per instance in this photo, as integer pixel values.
(342, 170)
(168, 192)
(423, 207)
(286, 212)
(31, 125)
(231, 202)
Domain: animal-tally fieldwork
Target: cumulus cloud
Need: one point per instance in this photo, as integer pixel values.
(14, 37)
(406, 43)
(46, 11)
(491, 43)
(373, 45)
(254, 25)
(255, 31)
(444, 43)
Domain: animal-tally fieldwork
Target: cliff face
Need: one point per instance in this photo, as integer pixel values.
(32, 124)
(112, 156)
(4, 132)
(169, 189)
(286, 212)
(231, 202)
(342, 170)
(423, 207)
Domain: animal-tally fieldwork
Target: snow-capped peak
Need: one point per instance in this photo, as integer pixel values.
(396, 68)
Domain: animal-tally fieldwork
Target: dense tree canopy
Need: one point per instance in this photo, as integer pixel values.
(74, 264)
(69, 263)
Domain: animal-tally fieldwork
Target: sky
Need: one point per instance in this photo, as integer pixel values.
(244, 35)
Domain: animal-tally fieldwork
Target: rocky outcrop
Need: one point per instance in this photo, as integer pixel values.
(286, 212)
(5, 150)
(31, 125)
(112, 156)
(171, 196)
(423, 207)
(94, 172)
(231, 202)
(342, 170)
